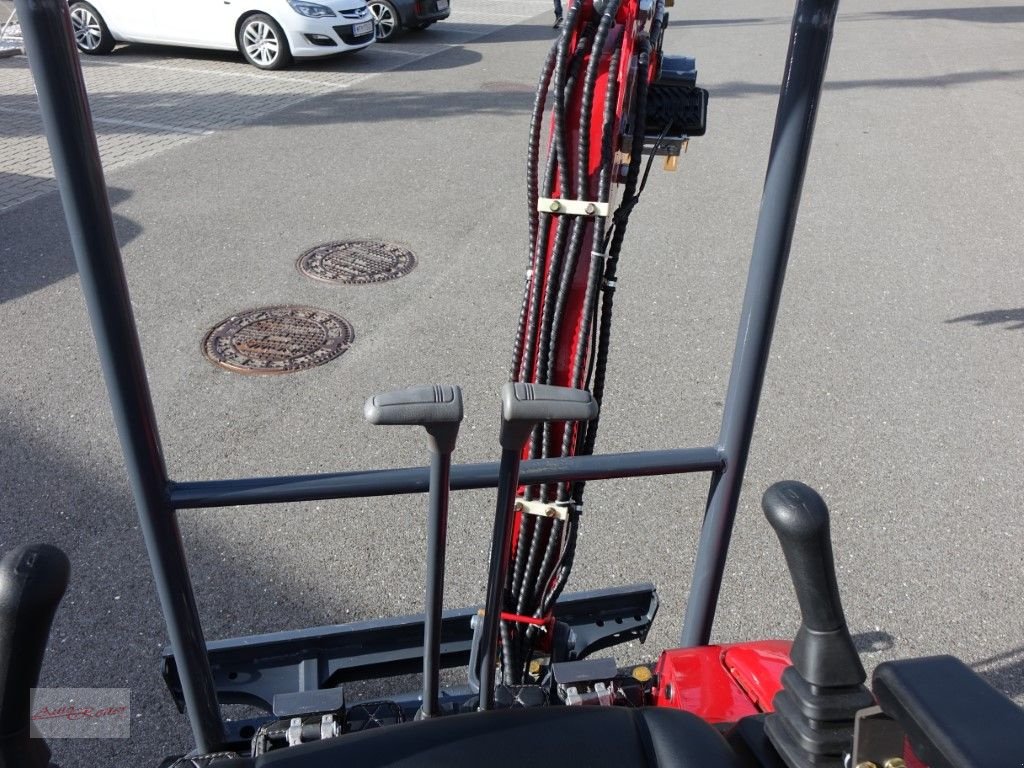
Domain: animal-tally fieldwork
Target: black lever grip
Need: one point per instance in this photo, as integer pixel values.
(32, 582)
(800, 518)
(823, 652)
(524, 405)
(437, 407)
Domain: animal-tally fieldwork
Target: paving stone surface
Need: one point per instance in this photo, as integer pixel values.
(148, 99)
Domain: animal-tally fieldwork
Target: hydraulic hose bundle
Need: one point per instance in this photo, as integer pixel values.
(594, 83)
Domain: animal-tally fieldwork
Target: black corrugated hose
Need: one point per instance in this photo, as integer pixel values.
(537, 579)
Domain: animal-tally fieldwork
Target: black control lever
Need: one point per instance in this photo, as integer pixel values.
(822, 691)
(438, 409)
(523, 406)
(32, 582)
(823, 651)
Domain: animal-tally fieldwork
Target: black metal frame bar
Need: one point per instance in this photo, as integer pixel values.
(66, 117)
(394, 482)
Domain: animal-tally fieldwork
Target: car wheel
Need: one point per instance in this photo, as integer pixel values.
(263, 44)
(386, 24)
(91, 33)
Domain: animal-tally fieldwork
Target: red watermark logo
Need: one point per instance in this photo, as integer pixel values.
(81, 713)
(71, 712)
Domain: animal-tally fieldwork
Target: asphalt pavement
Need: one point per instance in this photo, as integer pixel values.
(894, 385)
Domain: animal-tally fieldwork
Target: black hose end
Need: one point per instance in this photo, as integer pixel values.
(33, 579)
(34, 575)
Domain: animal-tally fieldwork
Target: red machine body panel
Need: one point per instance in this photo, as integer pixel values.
(722, 683)
(757, 668)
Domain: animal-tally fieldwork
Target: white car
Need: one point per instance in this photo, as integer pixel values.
(269, 33)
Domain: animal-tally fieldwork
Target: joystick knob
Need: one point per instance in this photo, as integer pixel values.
(823, 651)
(822, 691)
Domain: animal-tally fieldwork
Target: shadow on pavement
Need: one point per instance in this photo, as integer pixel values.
(162, 113)
(71, 490)
(515, 33)
(351, 62)
(346, 107)
(684, 22)
(988, 14)
(732, 90)
(36, 252)
(1013, 318)
(1004, 671)
(875, 641)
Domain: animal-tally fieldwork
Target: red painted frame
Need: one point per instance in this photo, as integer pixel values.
(721, 683)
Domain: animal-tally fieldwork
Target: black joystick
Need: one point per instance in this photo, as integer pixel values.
(822, 691)
(32, 582)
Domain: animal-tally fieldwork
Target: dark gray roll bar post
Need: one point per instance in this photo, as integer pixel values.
(46, 25)
(806, 60)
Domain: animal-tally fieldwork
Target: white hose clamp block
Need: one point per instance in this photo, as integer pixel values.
(572, 207)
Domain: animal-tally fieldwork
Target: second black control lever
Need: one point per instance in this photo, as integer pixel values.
(523, 406)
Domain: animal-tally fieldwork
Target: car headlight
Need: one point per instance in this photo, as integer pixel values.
(312, 10)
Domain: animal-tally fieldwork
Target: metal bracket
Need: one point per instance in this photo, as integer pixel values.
(252, 670)
(557, 510)
(572, 207)
(877, 739)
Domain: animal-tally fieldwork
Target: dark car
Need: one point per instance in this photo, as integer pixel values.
(392, 16)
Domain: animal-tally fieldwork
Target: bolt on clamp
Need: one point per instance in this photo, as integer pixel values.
(557, 510)
(572, 207)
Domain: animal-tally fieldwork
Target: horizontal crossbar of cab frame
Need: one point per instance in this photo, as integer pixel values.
(251, 670)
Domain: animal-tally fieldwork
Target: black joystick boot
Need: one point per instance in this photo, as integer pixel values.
(32, 582)
(822, 691)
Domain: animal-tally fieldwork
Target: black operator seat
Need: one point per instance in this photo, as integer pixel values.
(597, 737)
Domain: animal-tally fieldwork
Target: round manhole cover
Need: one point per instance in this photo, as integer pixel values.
(278, 340)
(357, 262)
